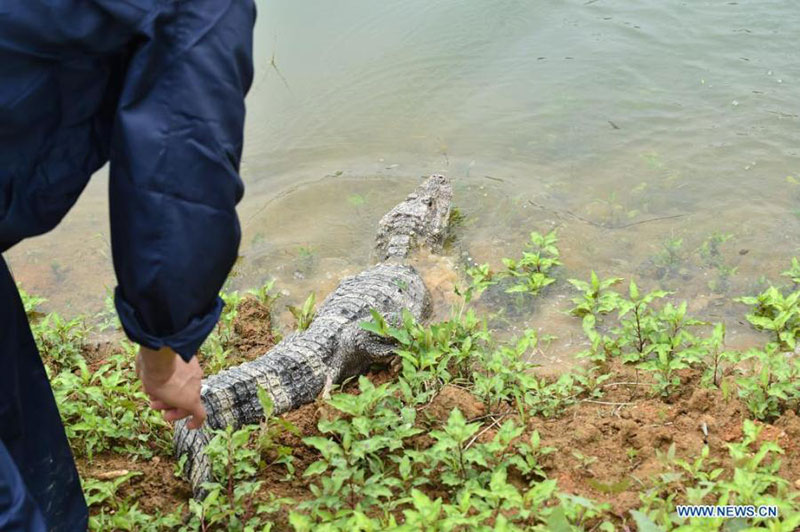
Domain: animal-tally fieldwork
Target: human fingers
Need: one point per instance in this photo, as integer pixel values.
(198, 416)
(174, 414)
(158, 404)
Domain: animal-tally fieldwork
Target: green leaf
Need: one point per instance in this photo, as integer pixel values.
(644, 523)
(634, 291)
(300, 522)
(761, 322)
(557, 521)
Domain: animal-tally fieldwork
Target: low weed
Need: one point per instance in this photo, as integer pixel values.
(531, 273)
(104, 410)
(305, 313)
(265, 294)
(772, 385)
(778, 313)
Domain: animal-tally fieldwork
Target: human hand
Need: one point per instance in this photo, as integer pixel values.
(172, 384)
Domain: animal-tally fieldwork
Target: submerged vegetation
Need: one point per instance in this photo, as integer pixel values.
(461, 433)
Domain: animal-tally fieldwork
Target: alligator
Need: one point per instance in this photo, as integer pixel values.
(334, 346)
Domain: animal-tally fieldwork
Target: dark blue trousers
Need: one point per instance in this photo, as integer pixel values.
(39, 485)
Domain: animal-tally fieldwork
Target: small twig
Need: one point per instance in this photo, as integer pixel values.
(426, 405)
(492, 415)
(478, 435)
(570, 213)
(660, 218)
(600, 225)
(606, 403)
(110, 475)
(634, 477)
(625, 384)
(478, 418)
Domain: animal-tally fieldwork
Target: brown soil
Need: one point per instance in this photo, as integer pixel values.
(620, 440)
(607, 450)
(97, 353)
(253, 329)
(156, 488)
(448, 399)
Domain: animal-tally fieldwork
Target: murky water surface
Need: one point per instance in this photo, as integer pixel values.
(640, 128)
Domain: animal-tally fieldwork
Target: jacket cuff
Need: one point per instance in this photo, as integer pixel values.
(185, 342)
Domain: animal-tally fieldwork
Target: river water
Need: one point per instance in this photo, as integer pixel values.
(640, 128)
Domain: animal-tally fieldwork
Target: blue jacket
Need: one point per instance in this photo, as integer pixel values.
(157, 88)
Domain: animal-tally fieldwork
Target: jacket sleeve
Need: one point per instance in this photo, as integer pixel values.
(174, 184)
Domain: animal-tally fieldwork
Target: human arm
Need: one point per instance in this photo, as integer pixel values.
(174, 186)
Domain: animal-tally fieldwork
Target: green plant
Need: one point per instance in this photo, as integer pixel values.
(107, 318)
(451, 451)
(216, 356)
(635, 330)
(638, 323)
(264, 294)
(530, 274)
(772, 385)
(590, 380)
(717, 359)
(721, 283)
(669, 258)
(596, 298)
(112, 511)
(481, 278)
(435, 355)
(102, 409)
(709, 250)
(216, 350)
(371, 423)
(574, 513)
(793, 272)
(752, 481)
(307, 258)
(60, 341)
(755, 479)
(502, 376)
(548, 397)
(232, 301)
(701, 473)
(673, 346)
(356, 200)
(30, 302)
(584, 461)
(711, 257)
(232, 499)
(528, 456)
(270, 429)
(778, 313)
(304, 314)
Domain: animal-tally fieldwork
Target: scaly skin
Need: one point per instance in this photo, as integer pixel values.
(334, 346)
(420, 220)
